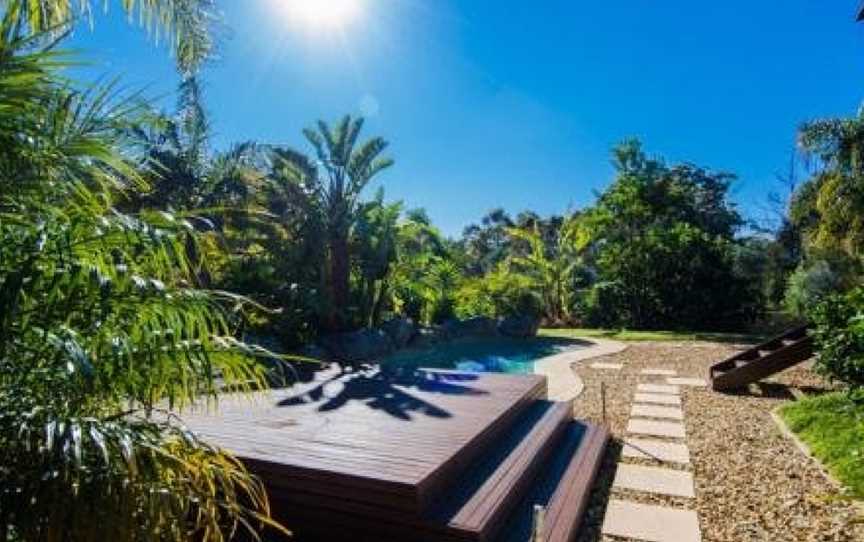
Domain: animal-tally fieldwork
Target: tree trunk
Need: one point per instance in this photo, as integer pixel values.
(340, 269)
(379, 304)
(369, 302)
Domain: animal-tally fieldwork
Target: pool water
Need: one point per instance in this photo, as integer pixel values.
(498, 355)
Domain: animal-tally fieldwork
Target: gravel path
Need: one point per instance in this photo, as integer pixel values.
(752, 484)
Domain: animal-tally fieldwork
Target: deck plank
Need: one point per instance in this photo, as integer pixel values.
(405, 435)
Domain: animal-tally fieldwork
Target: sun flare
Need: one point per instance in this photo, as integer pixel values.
(322, 13)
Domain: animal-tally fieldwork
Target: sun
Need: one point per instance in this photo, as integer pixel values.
(322, 13)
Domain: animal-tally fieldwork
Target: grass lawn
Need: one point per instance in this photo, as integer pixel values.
(628, 335)
(833, 427)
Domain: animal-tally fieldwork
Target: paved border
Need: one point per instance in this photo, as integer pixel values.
(564, 384)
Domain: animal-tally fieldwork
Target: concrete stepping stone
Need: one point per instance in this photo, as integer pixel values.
(657, 398)
(607, 366)
(655, 428)
(697, 382)
(656, 449)
(654, 411)
(659, 388)
(658, 372)
(658, 480)
(650, 522)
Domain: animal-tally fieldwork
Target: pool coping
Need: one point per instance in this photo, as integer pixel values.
(562, 381)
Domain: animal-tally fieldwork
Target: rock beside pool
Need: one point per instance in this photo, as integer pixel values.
(477, 326)
(400, 331)
(357, 346)
(520, 327)
(429, 336)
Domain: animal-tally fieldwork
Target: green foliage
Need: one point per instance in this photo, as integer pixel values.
(104, 322)
(662, 242)
(550, 269)
(839, 334)
(325, 192)
(808, 285)
(487, 244)
(184, 24)
(497, 294)
(830, 207)
(376, 238)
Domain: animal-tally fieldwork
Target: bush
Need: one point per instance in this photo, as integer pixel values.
(603, 306)
(839, 334)
(498, 294)
(809, 284)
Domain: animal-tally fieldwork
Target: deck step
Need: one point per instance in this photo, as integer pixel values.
(563, 486)
(492, 487)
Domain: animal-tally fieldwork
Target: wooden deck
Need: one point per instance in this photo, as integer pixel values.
(434, 455)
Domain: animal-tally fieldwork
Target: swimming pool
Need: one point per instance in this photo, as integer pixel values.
(495, 355)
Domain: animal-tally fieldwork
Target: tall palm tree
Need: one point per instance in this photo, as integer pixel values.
(332, 183)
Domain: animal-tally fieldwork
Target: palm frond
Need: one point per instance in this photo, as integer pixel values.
(185, 24)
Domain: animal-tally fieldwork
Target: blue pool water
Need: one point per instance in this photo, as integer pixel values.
(496, 355)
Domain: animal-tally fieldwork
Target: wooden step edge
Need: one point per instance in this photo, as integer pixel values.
(487, 509)
(565, 510)
(435, 482)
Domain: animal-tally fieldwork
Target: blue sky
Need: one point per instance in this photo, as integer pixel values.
(506, 103)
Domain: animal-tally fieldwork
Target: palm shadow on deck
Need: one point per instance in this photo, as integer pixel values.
(387, 390)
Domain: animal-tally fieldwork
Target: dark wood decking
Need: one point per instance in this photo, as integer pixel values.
(425, 455)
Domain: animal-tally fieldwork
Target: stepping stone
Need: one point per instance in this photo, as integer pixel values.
(659, 480)
(698, 382)
(658, 372)
(654, 428)
(657, 398)
(653, 411)
(658, 388)
(656, 449)
(607, 366)
(650, 522)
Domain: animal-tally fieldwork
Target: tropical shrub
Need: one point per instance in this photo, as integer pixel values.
(106, 329)
(498, 294)
(839, 333)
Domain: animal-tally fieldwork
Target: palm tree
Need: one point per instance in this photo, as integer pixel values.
(332, 183)
(830, 207)
(184, 24)
(551, 271)
(104, 327)
(376, 237)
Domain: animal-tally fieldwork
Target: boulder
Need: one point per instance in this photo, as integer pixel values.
(400, 331)
(429, 336)
(357, 346)
(519, 326)
(476, 326)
